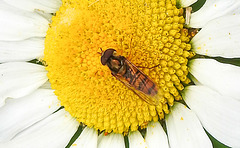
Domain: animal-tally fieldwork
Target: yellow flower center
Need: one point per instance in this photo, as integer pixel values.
(148, 33)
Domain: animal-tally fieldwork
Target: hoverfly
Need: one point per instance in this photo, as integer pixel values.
(126, 72)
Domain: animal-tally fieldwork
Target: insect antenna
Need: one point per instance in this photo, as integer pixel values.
(100, 52)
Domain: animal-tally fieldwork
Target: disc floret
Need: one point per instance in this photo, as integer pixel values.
(150, 34)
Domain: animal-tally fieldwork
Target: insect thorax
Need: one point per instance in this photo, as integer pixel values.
(117, 65)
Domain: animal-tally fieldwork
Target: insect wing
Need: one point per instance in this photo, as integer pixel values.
(150, 99)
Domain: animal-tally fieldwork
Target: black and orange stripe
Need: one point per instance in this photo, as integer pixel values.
(139, 80)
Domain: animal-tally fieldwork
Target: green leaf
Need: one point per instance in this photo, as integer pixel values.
(196, 6)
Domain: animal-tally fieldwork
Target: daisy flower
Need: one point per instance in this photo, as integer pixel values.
(54, 91)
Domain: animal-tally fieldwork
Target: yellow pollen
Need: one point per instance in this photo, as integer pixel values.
(148, 33)
(74, 144)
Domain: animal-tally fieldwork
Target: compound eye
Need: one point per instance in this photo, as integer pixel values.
(106, 55)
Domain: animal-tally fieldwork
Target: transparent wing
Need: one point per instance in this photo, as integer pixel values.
(142, 79)
(152, 100)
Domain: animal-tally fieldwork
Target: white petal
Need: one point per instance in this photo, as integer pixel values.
(16, 24)
(47, 16)
(48, 6)
(87, 139)
(194, 80)
(19, 114)
(218, 114)
(46, 85)
(136, 140)
(18, 79)
(54, 132)
(111, 140)
(224, 78)
(213, 9)
(186, 3)
(155, 136)
(25, 50)
(185, 130)
(219, 37)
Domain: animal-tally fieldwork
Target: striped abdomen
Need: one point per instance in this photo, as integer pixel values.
(140, 81)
